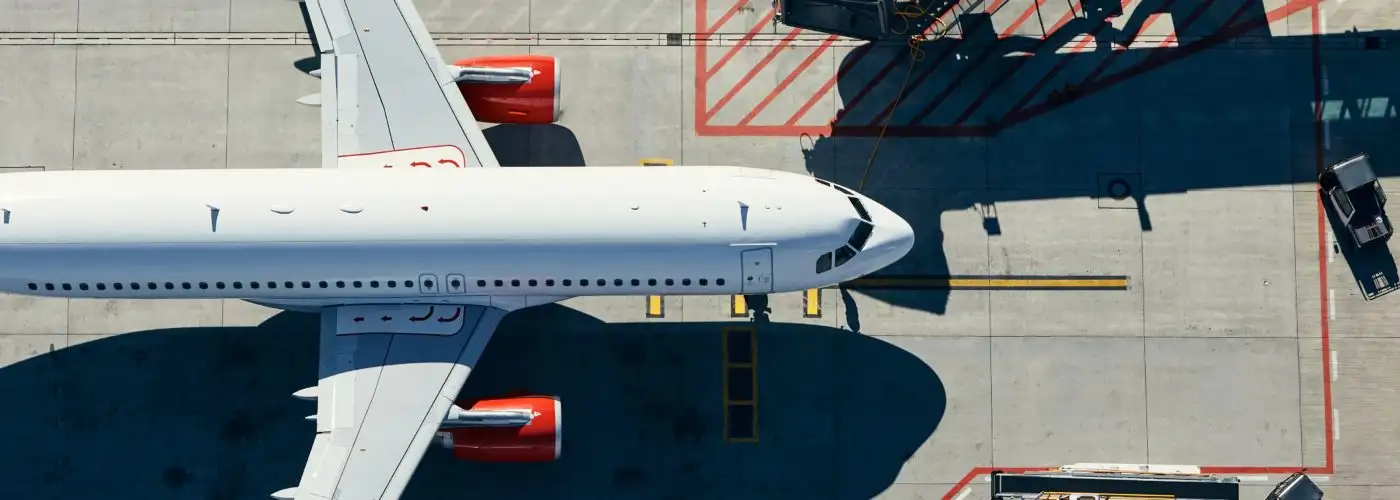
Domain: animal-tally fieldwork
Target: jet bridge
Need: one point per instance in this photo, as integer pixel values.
(1135, 482)
(870, 20)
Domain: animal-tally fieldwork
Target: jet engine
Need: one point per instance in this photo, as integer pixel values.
(516, 429)
(521, 88)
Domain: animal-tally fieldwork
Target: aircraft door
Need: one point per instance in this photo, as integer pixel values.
(758, 271)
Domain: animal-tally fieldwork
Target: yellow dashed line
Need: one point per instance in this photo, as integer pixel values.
(812, 303)
(1009, 283)
(740, 351)
(656, 306)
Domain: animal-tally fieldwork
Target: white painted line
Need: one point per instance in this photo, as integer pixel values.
(1336, 426)
(1322, 20)
(1331, 304)
(1331, 246)
(1320, 479)
(1257, 478)
(965, 492)
(1334, 366)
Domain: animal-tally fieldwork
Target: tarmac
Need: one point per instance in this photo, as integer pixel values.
(1245, 337)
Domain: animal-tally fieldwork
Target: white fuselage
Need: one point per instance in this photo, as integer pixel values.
(497, 236)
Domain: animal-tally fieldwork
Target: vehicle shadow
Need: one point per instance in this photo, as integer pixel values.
(208, 413)
(1372, 267)
(986, 120)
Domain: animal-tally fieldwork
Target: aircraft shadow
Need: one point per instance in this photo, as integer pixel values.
(986, 120)
(208, 413)
(551, 145)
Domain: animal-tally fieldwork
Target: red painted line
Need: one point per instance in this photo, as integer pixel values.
(733, 91)
(1060, 66)
(1027, 15)
(1195, 15)
(742, 42)
(811, 58)
(971, 69)
(1330, 466)
(714, 28)
(701, 79)
(894, 61)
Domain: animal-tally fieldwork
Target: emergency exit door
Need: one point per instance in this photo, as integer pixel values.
(758, 271)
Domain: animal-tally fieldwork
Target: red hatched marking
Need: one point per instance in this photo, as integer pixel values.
(958, 123)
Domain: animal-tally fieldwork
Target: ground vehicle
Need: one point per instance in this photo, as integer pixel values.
(1354, 192)
(1297, 487)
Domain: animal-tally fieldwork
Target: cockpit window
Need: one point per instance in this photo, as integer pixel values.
(861, 235)
(841, 189)
(844, 254)
(822, 182)
(824, 263)
(860, 209)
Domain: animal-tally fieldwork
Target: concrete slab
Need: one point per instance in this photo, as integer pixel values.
(1204, 392)
(266, 126)
(737, 17)
(1208, 275)
(18, 348)
(48, 15)
(109, 317)
(270, 16)
(1087, 396)
(608, 16)
(1364, 393)
(44, 95)
(114, 133)
(33, 315)
(154, 16)
(1066, 237)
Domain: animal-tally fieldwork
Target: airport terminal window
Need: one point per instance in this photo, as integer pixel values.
(860, 208)
(844, 255)
(824, 263)
(861, 235)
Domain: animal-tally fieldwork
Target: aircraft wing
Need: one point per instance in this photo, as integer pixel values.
(383, 396)
(386, 97)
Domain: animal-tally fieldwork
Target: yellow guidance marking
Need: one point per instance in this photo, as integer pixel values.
(740, 346)
(994, 283)
(656, 306)
(738, 308)
(812, 303)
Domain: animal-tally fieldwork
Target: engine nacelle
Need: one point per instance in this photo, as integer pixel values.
(537, 441)
(529, 96)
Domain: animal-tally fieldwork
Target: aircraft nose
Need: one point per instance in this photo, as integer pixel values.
(893, 237)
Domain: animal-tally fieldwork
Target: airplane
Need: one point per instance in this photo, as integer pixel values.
(411, 243)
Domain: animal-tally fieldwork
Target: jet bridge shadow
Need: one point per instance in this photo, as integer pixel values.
(208, 413)
(987, 120)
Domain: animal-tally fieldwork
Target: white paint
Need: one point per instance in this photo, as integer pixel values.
(1336, 425)
(1331, 246)
(1254, 478)
(1331, 304)
(499, 228)
(965, 492)
(1334, 366)
(1320, 479)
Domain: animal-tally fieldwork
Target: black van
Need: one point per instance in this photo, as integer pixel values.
(1297, 487)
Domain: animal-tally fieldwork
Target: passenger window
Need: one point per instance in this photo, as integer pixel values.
(456, 283)
(272, 284)
(116, 286)
(500, 283)
(600, 282)
(651, 282)
(374, 284)
(409, 284)
(704, 282)
(253, 284)
(391, 283)
(48, 286)
(480, 282)
(824, 263)
(101, 286)
(202, 286)
(288, 284)
(582, 282)
(324, 284)
(33, 286)
(82, 286)
(135, 286)
(548, 282)
(568, 282)
(685, 282)
(238, 285)
(306, 284)
(340, 284)
(720, 282)
(514, 282)
(219, 285)
(844, 254)
(186, 285)
(636, 282)
(617, 282)
(356, 284)
(670, 282)
(533, 282)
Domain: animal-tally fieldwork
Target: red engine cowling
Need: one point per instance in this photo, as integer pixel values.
(537, 441)
(533, 102)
